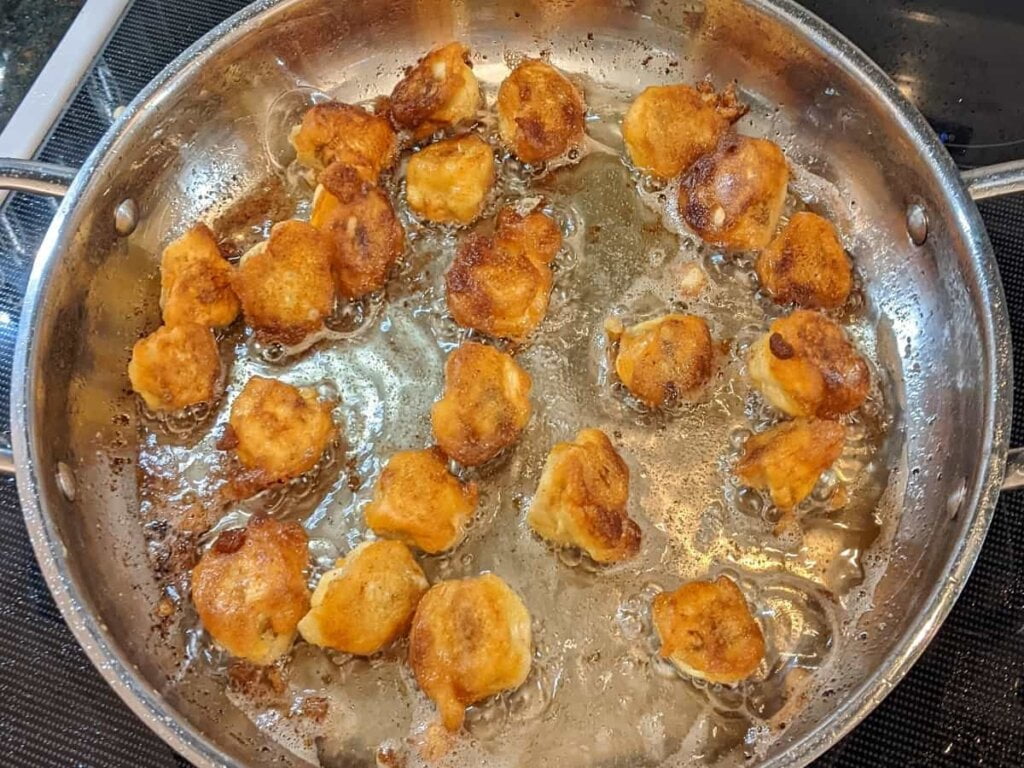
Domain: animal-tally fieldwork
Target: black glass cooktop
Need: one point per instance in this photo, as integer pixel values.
(960, 61)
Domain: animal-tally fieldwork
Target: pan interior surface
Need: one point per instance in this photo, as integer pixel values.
(844, 606)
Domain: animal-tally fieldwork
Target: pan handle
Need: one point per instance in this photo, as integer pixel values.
(35, 178)
(995, 180)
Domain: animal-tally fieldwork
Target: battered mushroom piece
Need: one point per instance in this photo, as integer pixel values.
(342, 133)
(806, 265)
(806, 366)
(285, 283)
(707, 630)
(540, 112)
(175, 367)
(195, 281)
(668, 359)
(440, 91)
(581, 499)
(500, 285)
(250, 591)
(278, 431)
(418, 501)
(358, 217)
(449, 180)
(485, 405)
(668, 127)
(734, 196)
(367, 600)
(788, 459)
(470, 639)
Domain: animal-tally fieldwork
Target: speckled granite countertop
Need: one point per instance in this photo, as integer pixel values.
(29, 31)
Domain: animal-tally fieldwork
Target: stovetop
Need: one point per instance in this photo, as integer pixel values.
(962, 704)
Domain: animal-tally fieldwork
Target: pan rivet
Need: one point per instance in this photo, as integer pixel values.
(66, 480)
(126, 217)
(917, 223)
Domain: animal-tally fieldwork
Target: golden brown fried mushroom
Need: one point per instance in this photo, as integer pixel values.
(418, 501)
(668, 359)
(706, 630)
(195, 281)
(440, 91)
(806, 264)
(470, 639)
(540, 112)
(175, 367)
(581, 499)
(343, 133)
(278, 431)
(366, 601)
(806, 366)
(788, 459)
(668, 127)
(734, 196)
(358, 217)
(285, 283)
(485, 405)
(448, 181)
(500, 285)
(250, 591)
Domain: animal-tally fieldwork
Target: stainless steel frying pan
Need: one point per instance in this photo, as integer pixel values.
(196, 136)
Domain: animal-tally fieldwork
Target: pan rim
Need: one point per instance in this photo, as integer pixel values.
(105, 653)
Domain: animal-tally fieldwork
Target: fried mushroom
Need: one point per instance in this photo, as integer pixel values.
(806, 264)
(788, 459)
(707, 631)
(667, 359)
(195, 281)
(358, 217)
(440, 91)
(485, 405)
(343, 133)
(175, 367)
(285, 283)
(540, 112)
(366, 601)
(734, 196)
(250, 591)
(418, 501)
(581, 499)
(470, 639)
(449, 180)
(806, 366)
(667, 127)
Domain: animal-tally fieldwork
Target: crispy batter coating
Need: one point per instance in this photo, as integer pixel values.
(500, 285)
(733, 197)
(706, 630)
(250, 591)
(367, 600)
(581, 499)
(418, 501)
(358, 217)
(788, 459)
(540, 112)
(175, 367)
(343, 133)
(806, 264)
(470, 639)
(448, 181)
(668, 127)
(806, 366)
(279, 431)
(485, 406)
(438, 92)
(195, 281)
(285, 283)
(667, 359)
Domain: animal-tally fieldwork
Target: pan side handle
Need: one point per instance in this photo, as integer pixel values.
(34, 178)
(995, 180)
(1014, 477)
